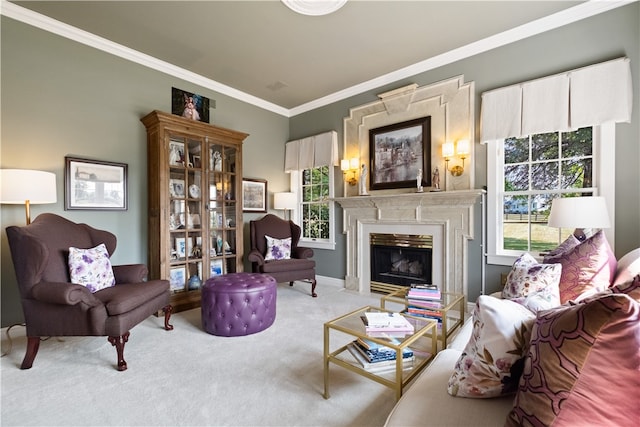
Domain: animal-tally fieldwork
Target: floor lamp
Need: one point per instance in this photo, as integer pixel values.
(580, 213)
(28, 187)
(286, 201)
(25, 186)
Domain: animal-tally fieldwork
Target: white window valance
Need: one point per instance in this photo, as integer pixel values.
(587, 96)
(311, 152)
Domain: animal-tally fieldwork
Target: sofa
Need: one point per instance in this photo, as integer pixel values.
(593, 390)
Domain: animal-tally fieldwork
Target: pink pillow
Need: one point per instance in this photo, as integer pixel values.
(582, 366)
(628, 267)
(586, 268)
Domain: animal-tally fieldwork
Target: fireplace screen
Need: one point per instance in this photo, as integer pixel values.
(399, 259)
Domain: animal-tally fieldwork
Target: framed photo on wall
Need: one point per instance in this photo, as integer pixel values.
(189, 105)
(398, 152)
(94, 185)
(254, 195)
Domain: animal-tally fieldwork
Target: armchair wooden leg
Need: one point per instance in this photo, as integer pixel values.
(313, 288)
(119, 343)
(168, 309)
(33, 344)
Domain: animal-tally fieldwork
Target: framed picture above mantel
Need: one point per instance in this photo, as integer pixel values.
(399, 153)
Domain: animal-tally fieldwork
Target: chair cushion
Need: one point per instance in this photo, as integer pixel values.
(123, 298)
(291, 264)
(91, 267)
(277, 248)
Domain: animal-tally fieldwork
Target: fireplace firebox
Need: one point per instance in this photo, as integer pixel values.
(399, 260)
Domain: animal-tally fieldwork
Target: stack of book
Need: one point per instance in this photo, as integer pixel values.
(424, 301)
(384, 322)
(374, 357)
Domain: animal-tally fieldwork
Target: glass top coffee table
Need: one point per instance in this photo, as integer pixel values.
(422, 342)
(451, 310)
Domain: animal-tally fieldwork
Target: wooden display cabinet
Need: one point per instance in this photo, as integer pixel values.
(195, 203)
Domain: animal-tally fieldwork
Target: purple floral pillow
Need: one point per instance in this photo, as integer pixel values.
(278, 248)
(91, 268)
(534, 285)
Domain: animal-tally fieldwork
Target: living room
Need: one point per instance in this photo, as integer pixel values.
(61, 98)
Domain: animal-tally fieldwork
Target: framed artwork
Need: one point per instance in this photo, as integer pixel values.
(176, 187)
(216, 267)
(189, 105)
(399, 153)
(95, 185)
(254, 195)
(176, 153)
(181, 247)
(177, 278)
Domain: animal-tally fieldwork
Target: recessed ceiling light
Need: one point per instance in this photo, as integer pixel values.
(314, 7)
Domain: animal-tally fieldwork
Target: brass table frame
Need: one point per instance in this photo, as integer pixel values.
(398, 378)
(449, 301)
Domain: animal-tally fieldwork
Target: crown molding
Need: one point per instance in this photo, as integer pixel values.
(582, 11)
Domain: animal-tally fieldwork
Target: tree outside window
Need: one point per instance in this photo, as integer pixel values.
(315, 203)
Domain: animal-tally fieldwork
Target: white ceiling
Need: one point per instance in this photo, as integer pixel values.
(289, 63)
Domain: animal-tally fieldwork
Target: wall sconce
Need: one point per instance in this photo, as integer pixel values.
(462, 150)
(352, 166)
(27, 187)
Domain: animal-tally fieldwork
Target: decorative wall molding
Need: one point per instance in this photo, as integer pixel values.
(450, 103)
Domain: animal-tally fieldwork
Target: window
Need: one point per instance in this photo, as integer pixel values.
(528, 173)
(316, 213)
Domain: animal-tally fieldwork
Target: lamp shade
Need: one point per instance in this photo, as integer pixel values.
(579, 212)
(18, 186)
(285, 201)
(447, 149)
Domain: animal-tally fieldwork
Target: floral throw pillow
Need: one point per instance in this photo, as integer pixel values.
(534, 285)
(91, 268)
(278, 248)
(491, 363)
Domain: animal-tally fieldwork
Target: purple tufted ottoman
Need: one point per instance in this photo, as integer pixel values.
(237, 304)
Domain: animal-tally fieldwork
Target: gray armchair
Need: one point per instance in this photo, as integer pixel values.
(298, 267)
(53, 306)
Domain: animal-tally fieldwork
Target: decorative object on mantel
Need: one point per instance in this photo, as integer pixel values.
(435, 180)
(419, 181)
(363, 181)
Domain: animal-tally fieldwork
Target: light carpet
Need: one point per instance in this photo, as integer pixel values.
(189, 377)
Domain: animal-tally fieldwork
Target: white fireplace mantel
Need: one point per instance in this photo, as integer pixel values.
(446, 215)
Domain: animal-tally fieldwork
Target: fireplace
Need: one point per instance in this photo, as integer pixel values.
(399, 260)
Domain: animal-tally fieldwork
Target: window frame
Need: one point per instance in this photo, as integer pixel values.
(296, 214)
(603, 161)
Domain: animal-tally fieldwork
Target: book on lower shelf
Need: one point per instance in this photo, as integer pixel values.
(378, 366)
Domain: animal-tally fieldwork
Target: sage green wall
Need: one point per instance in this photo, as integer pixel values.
(62, 98)
(600, 38)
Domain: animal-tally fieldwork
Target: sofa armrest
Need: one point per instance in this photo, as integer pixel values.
(63, 293)
(255, 256)
(302, 252)
(130, 273)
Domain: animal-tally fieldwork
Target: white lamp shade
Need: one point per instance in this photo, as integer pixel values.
(579, 212)
(344, 165)
(19, 185)
(447, 149)
(463, 147)
(285, 201)
(354, 163)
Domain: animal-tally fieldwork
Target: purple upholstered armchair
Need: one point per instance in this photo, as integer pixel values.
(53, 306)
(297, 267)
